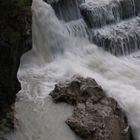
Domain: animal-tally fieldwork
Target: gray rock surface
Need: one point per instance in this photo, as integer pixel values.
(95, 116)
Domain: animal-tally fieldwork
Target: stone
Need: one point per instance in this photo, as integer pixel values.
(66, 10)
(120, 39)
(95, 116)
(100, 13)
(15, 39)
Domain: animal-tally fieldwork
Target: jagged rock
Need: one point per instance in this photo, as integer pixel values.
(15, 39)
(96, 116)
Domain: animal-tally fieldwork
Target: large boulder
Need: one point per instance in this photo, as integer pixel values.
(96, 116)
(15, 39)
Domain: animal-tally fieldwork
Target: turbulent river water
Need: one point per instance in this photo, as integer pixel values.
(56, 56)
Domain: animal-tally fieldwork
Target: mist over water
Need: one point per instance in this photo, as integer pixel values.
(56, 56)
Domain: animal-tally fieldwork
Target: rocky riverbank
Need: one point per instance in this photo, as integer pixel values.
(15, 39)
(95, 116)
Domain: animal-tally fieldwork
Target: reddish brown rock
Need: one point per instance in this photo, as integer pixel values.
(96, 116)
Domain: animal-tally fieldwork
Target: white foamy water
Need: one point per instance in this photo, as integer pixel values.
(56, 57)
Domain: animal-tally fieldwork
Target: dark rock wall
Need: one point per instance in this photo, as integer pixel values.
(67, 10)
(15, 39)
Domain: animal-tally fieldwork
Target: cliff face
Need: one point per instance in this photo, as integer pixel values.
(15, 39)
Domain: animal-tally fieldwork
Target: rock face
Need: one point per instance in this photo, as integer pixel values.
(66, 10)
(113, 25)
(119, 39)
(96, 116)
(102, 12)
(15, 39)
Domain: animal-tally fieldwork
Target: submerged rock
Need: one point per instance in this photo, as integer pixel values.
(96, 116)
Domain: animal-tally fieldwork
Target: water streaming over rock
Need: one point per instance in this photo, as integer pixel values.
(120, 39)
(102, 12)
(61, 50)
(67, 10)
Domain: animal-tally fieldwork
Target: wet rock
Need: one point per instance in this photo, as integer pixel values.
(66, 10)
(102, 12)
(78, 28)
(128, 8)
(15, 39)
(99, 13)
(137, 5)
(1, 138)
(96, 116)
(120, 39)
(52, 1)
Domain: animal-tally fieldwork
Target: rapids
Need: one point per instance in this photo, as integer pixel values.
(57, 55)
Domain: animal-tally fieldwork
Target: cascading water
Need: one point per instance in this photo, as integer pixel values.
(56, 56)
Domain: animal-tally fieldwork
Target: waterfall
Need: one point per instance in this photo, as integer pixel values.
(61, 50)
(67, 10)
